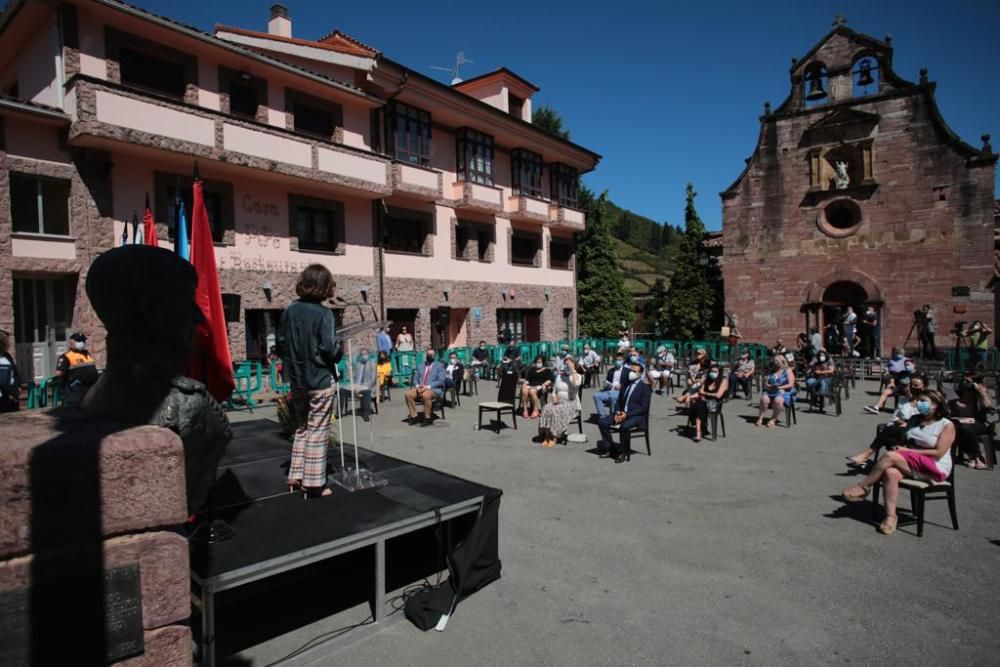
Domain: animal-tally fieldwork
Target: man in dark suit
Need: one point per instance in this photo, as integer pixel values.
(631, 410)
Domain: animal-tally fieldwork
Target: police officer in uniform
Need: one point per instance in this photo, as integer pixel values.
(76, 369)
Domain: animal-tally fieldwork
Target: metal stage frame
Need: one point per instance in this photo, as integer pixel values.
(204, 590)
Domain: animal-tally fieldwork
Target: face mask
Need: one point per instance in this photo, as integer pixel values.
(909, 369)
(364, 358)
(586, 350)
(924, 407)
(80, 345)
(619, 363)
(538, 364)
(633, 376)
(822, 359)
(482, 347)
(904, 380)
(897, 356)
(453, 361)
(713, 376)
(430, 358)
(506, 362)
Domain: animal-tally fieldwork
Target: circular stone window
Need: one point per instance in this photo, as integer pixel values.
(839, 218)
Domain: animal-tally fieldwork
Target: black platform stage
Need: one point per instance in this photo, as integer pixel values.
(277, 531)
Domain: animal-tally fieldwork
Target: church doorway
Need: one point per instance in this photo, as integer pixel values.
(836, 299)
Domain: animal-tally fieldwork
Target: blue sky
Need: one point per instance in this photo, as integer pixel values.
(667, 92)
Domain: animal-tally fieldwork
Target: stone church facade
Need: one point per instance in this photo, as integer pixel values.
(858, 193)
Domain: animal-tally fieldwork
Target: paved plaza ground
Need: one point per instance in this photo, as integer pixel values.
(727, 552)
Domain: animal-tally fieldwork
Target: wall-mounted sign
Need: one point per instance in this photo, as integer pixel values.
(960, 290)
(477, 314)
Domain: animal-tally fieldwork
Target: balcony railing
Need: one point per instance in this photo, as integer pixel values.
(527, 208)
(422, 182)
(564, 217)
(110, 112)
(478, 197)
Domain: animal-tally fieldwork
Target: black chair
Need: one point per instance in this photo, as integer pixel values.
(579, 414)
(638, 430)
(790, 417)
(717, 419)
(504, 402)
(469, 380)
(920, 493)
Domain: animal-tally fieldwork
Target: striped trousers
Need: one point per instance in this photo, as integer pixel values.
(313, 410)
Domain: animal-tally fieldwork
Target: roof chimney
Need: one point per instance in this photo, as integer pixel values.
(279, 24)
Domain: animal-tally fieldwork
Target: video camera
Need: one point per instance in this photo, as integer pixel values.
(959, 328)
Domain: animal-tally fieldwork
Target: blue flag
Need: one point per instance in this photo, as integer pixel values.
(183, 248)
(125, 233)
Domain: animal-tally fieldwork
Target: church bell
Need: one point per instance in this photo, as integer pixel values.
(865, 74)
(816, 92)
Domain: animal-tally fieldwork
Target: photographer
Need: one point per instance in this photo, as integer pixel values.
(979, 340)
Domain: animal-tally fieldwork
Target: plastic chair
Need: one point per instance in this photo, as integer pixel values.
(277, 386)
(920, 493)
(504, 402)
(403, 366)
(247, 378)
(642, 430)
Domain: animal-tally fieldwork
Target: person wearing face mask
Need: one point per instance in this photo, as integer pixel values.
(481, 361)
(926, 456)
(712, 392)
(588, 364)
(779, 390)
(606, 398)
(820, 378)
(742, 375)
(76, 369)
(537, 380)
(969, 413)
(426, 386)
(564, 407)
(631, 411)
(696, 375)
(509, 366)
(365, 382)
(892, 432)
(454, 373)
(898, 370)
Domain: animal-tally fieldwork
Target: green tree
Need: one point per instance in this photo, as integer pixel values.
(691, 299)
(601, 295)
(548, 119)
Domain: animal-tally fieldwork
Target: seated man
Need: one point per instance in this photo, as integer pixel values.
(607, 398)
(454, 373)
(426, 386)
(899, 369)
(631, 410)
(481, 360)
(664, 363)
(820, 377)
(76, 369)
(365, 376)
(590, 361)
(742, 375)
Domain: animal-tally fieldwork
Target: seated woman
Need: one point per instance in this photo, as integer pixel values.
(895, 431)
(383, 374)
(969, 413)
(898, 371)
(713, 391)
(696, 375)
(926, 456)
(779, 390)
(564, 405)
(821, 372)
(537, 380)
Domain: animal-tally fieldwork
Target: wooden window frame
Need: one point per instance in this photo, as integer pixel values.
(565, 185)
(536, 260)
(116, 40)
(336, 111)
(40, 226)
(474, 156)
(338, 231)
(422, 218)
(414, 146)
(229, 76)
(526, 169)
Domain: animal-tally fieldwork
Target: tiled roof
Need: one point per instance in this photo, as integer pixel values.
(337, 36)
(713, 240)
(497, 73)
(239, 47)
(335, 41)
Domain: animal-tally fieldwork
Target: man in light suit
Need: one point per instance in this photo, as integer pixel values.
(631, 410)
(364, 376)
(426, 386)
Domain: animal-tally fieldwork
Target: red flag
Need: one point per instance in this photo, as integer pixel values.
(210, 363)
(148, 226)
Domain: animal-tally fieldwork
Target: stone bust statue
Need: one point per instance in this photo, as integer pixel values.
(145, 297)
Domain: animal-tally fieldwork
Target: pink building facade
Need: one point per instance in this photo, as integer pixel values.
(440, 206)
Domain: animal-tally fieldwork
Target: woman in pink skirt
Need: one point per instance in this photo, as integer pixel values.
(926, 456)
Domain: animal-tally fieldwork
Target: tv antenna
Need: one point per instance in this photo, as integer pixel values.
(460, 60)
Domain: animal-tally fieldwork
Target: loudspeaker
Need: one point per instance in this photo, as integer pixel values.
(231, 307)
(443, 317)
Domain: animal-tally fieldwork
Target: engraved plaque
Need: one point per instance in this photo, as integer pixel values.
(123, 612)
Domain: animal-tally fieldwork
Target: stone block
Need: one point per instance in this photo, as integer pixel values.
(66, 479)
(163, 571)
(165, 647)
